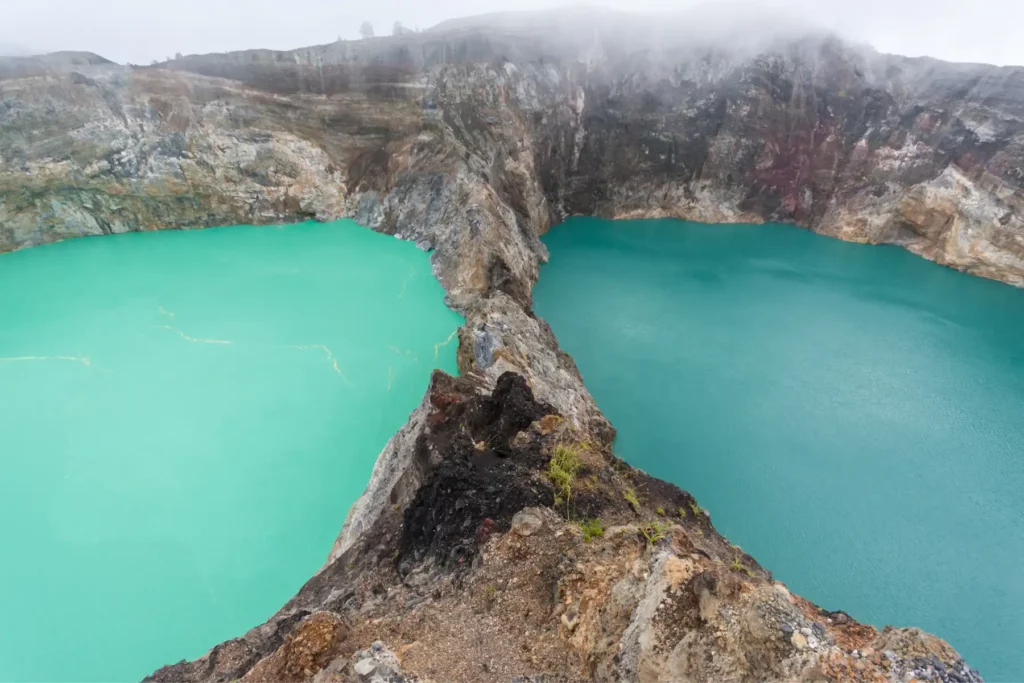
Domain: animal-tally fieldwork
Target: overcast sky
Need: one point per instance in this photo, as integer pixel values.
(139, 31)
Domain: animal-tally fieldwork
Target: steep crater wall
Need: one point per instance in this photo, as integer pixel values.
(472, 143)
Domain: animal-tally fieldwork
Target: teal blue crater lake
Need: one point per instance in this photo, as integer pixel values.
(185, 420)
(851, 415)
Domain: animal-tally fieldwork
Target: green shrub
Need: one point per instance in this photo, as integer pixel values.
(565, 463)
(631, 498)
(737, 565)
(652, 532)
(592, 528)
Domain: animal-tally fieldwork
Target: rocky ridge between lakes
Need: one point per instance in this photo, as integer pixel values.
(487, 564)
(474, 553)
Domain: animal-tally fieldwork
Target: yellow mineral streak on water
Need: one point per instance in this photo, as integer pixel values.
(301, 347)
(446, 342)
(194, 340)
(76, 359)
(169, 314)
(330, 357)
(410, 354)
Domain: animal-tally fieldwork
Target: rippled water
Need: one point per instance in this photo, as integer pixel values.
(185, 419)
(852, 415)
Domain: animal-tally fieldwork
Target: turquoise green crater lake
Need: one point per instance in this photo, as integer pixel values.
(185, 420)
(851, 415)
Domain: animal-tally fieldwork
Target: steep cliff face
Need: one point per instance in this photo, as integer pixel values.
(473, 142)
(860, 146)
(841, 140)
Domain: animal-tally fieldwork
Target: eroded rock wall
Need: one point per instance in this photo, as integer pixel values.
(839, 139)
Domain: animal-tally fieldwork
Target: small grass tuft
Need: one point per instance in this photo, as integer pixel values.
(660, 511)
(682, 513)
(652, 532)
(592, 528)
(738, 566)
(695, 508)
(565, 463)
(631, 498)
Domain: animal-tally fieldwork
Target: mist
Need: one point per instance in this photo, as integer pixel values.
(138, 31)
(13, 50)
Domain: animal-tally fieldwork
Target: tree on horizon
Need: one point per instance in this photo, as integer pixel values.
(400, 29)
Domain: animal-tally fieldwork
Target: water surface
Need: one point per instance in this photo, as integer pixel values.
(185, 419)
(852, 415)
